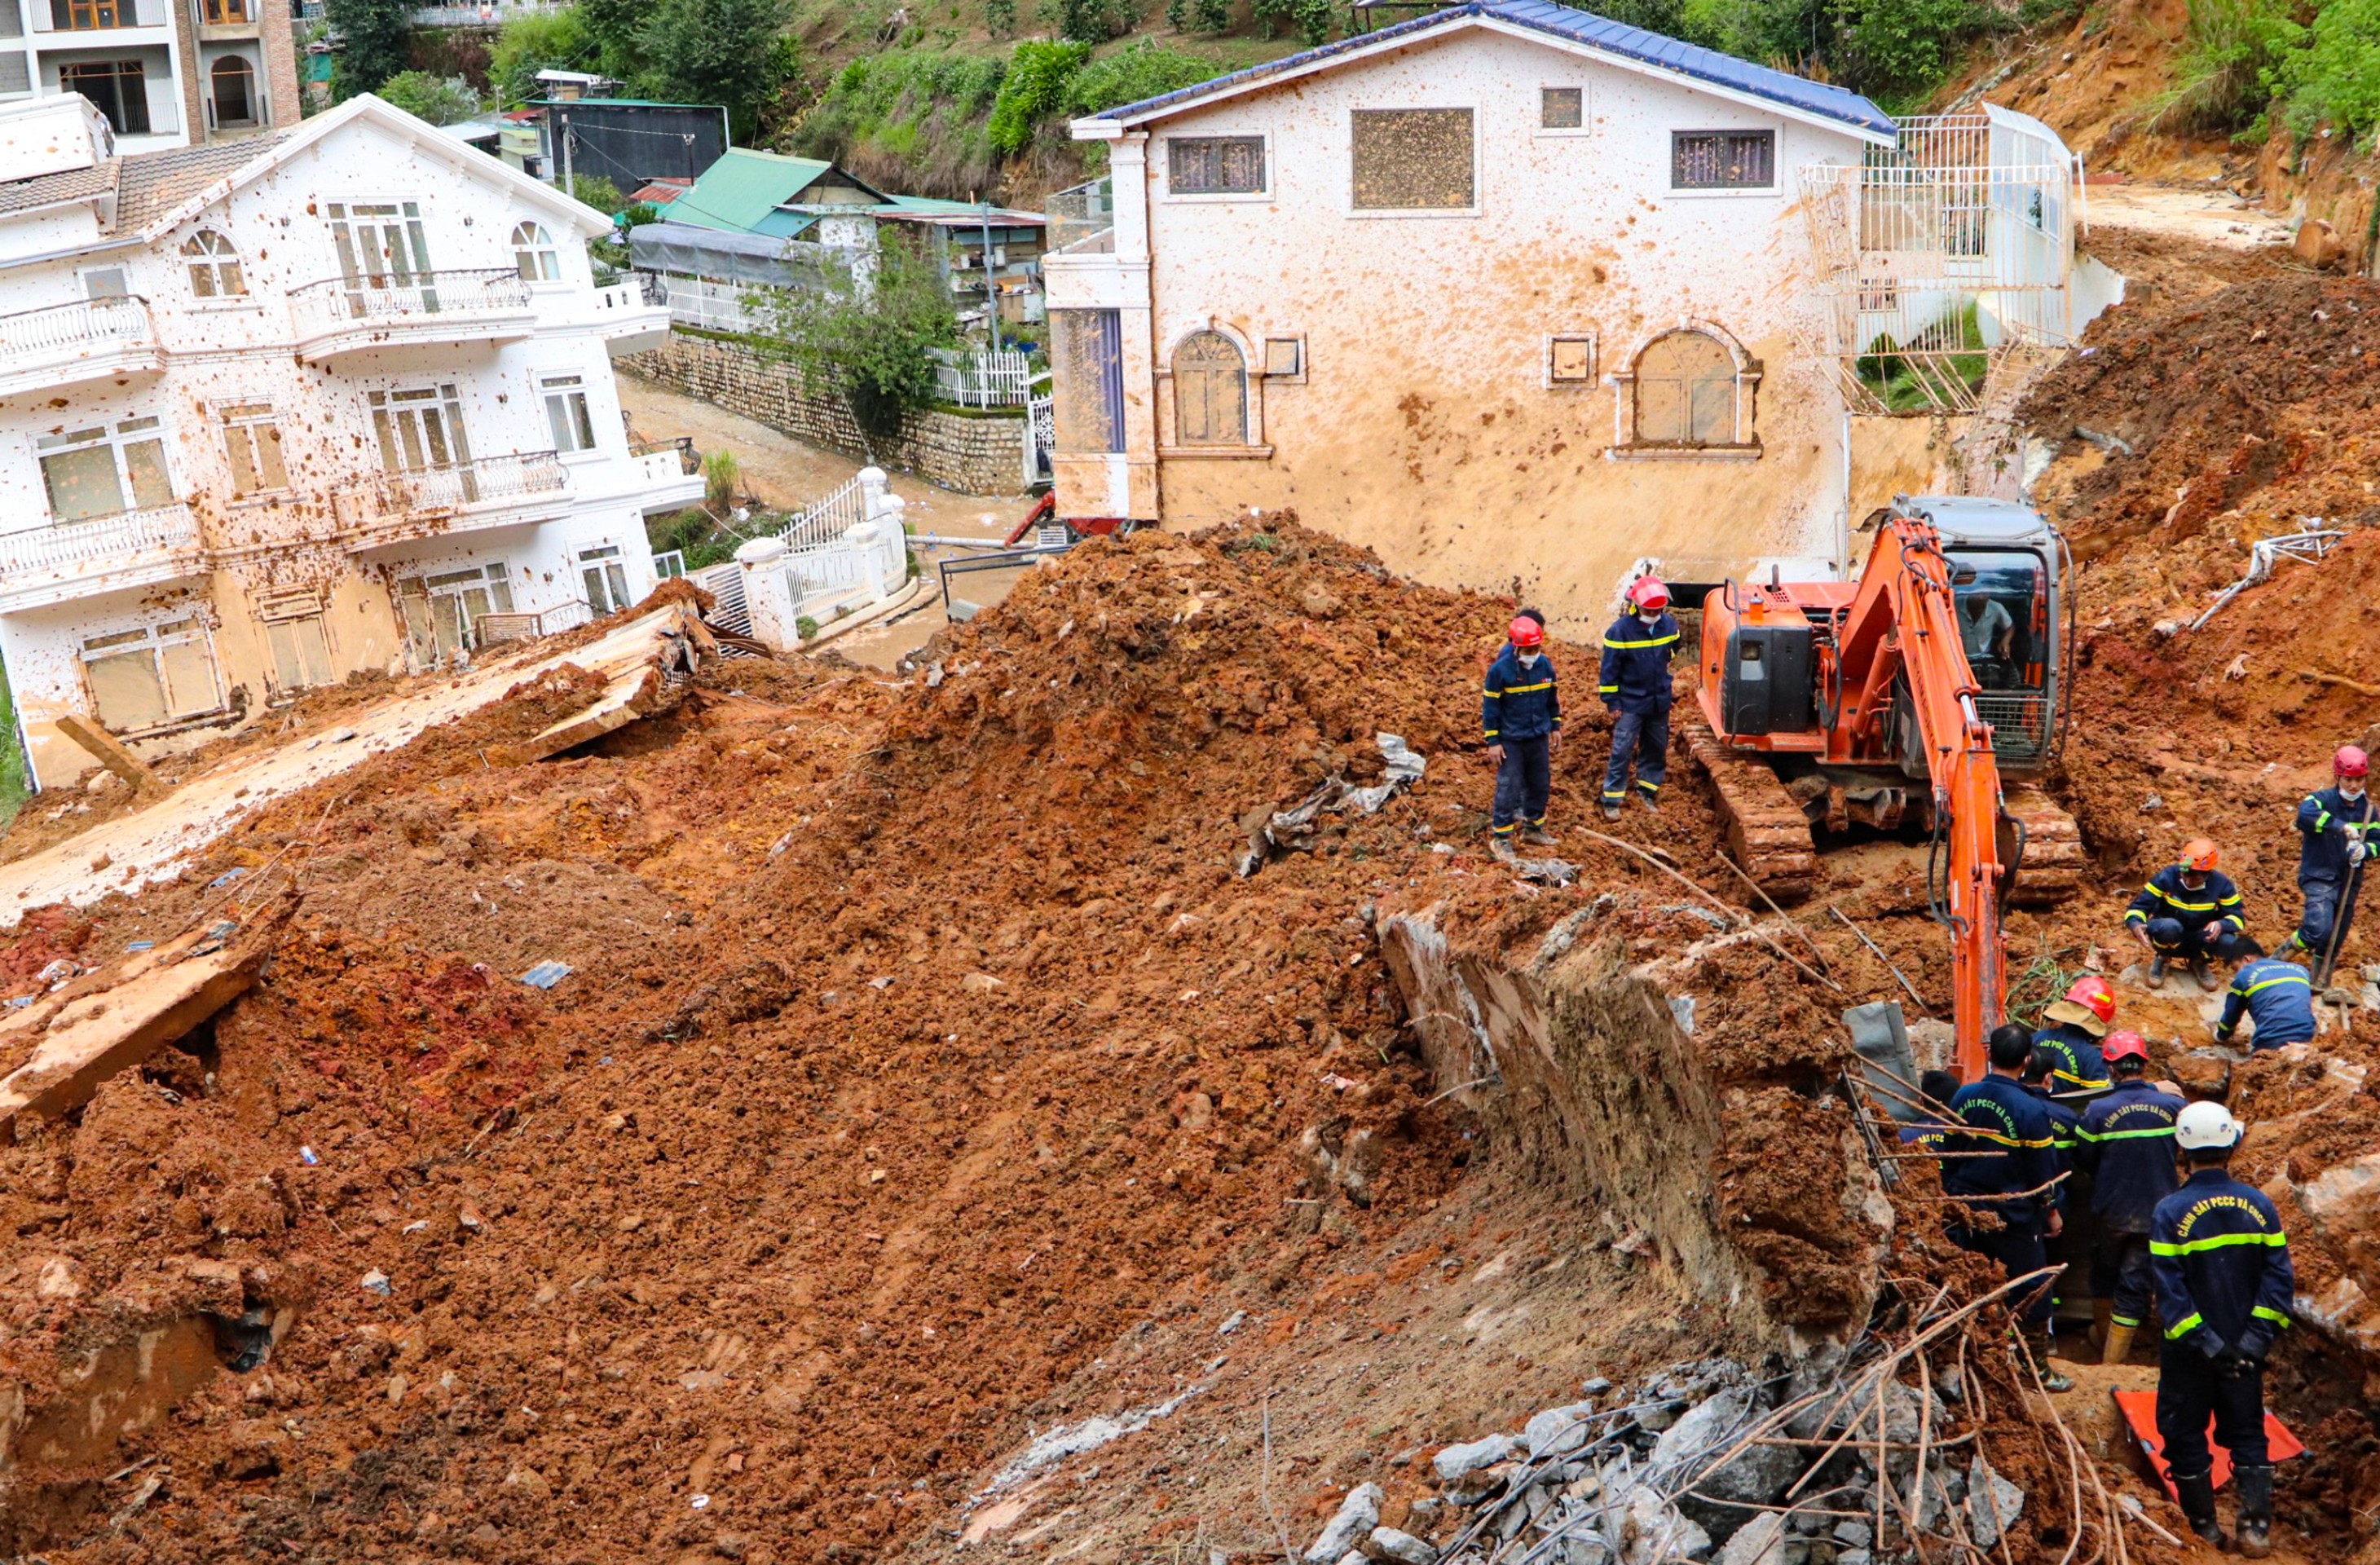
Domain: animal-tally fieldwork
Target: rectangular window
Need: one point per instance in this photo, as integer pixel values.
(105, 283)
(1086, 392)
(116, 88)
(605, 576)
(1570, 360)
(1561, 108)
(142, 678)
(14, 76)
(1722, 160)
(12, 24)
(252, 444)
(101, 471)
(301, 654)
(227, 13)
(566, 411)
(380, 246)
(1216, 165)
(92, 15)
(1285, 358)
(419, 431)
(442, 613)
(1413, 160)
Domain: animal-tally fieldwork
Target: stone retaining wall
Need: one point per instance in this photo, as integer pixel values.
(978, 454)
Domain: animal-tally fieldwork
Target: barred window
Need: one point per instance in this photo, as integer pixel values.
(1216, 165)
(1722, 160)
(1561, 108)
(1413, 160)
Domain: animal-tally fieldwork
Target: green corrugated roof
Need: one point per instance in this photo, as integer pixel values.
(745, 187)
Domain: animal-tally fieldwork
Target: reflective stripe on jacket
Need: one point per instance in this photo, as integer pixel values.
(2327, 819)
(2080, 1067)
(2165, 897)
(2276, 996)
(1636, 674)
(1520, 703)
(2126, 1145)
(2222, 1266)
(1998, 1115)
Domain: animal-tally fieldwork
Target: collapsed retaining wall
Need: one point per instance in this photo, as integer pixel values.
(1743, 1167)
(974, 453)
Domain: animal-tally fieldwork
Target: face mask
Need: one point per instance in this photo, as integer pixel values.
(1650, 616)
(1528, 659)
(2351, 790)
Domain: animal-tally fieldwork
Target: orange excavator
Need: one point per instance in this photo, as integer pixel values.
(1942, 666)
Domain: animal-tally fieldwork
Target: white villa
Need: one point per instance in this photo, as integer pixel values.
(276, 411)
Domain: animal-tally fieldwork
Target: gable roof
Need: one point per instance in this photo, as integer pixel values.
(1633, 47)
(743, 190)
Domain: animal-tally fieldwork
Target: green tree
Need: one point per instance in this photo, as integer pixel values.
(597, 192)
(536, 40)
(1032, 90)
(1315, 19)
(439, 100)
(716, 52)
(1143, 71)
(999, 18)
(377, 43)
(1901, 48)
(871, 339)
(1090, 21)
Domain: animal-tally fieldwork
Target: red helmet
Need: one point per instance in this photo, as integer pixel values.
(1525, 632)
(2350, 761)
(2124, 1046)
(2198, 855)
(2090, 992)
(1647, 592)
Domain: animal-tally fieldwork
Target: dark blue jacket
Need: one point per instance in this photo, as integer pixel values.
(1520, 703)
(1636, 656)
(2001, 1117)
(2165, 897)
(2080, 1067)
(2327, 819)
(2126, 1145)
(2276, 996)
(2222, 1266)
(2065, 1129)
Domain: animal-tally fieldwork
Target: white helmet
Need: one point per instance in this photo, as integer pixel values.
(2205, 1127)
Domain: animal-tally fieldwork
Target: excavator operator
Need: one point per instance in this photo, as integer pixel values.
(2189, 910)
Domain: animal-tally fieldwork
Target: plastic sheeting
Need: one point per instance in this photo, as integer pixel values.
(756, 258)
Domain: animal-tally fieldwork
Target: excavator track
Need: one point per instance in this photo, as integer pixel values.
(1767, 831)
(2052, 870)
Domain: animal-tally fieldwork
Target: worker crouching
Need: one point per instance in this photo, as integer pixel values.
(1520, 715)
(2223, 1290)
(1634, 684)
(2189, 912)
(2274, 996)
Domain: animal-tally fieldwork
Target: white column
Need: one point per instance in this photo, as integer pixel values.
(770, 594)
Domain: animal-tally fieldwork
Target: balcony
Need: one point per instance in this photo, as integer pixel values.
(341, 316)
(53, 562)
(495, 492)
(627, 320)
(663, 482)
(1081, 220)
(67, 344)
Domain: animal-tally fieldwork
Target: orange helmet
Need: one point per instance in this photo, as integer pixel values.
(2198, 855)
(2124, 1046)
(2350, 761)
(1647, 592)
(2090, 992)
(1525, 632)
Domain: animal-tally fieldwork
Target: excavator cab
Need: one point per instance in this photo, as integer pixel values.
(2007, 568)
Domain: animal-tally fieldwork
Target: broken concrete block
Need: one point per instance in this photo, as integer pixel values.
(1760, 1541)
(1455, 1461)
(1358, 1515)
(1658, 1534)
(2342, 1201)
(1992, 1504)
(1561, 1429)
(1387, 1544)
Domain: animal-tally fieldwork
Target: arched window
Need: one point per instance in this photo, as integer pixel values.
(533, 254)
(1211, 391)
(1685, 391)
(214, 266)
(235, 91)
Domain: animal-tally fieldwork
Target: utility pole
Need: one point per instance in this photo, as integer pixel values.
(991, 282)
(569, 185)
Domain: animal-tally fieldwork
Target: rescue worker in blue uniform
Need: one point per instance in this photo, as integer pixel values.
(2065, 1122)
(1634, 684)
(1521, 714)
(2007, 1169)
(2274, 995)
(2223, 1290)
(2337, 825)
(2125, 1144)
(2192, 911)
(2076, 1025)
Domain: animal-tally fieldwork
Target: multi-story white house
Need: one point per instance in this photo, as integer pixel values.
(278, 411)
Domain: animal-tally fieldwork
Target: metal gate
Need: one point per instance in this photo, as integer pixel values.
(729, 611)
(1041, 426)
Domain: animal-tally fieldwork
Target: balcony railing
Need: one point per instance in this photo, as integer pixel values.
(44, 339)
(335, 304)
(1081, 220)
(491, 480)
(73, 548)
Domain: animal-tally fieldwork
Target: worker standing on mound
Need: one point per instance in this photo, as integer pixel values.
(2274, 995)
(2336, 824)
(2076, 1025)
(1635, 685)
(2223, 1289)
(2125, 1144)
(1521, 714)
(2006, 1169)
(2192, 911)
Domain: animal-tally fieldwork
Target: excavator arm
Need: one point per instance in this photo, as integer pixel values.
(1901, 632)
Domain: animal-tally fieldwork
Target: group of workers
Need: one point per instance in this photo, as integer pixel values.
(2173, 1229)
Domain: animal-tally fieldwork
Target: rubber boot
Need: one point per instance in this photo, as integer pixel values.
(2103, 1314)
(2204, 974)
(2254, 1486)
(1537, 836)
(2156, 971)
(2040, 1342)
(1610, 809)
(2197, 1496)
(2119, 1344)
(1500, 845)
(1646, 799)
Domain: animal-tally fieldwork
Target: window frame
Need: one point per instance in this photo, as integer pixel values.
(194, 259)
(248, 417)
(215, 70)
(609, 563)
(1585, 126)
(1252, 445)
(1747, 371)
(1263, 192)
(155, 633)
(1776, 186)
(570, 385)
(116, 436)
(541, 248)
(116, 72)
(1589, 382)
(1347, 191)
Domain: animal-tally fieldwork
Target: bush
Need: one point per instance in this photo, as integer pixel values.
(1315, 19)
(999, 18)
(723, 477)
(536, 40)
(1034, 88)
(1089, 21)
(2229, 65)
(1211, 16)
(715, 51)
(1902, 48)
(870, 341)
(597, 192)
(2335, 75)
(914, 116)
(424, 96)
(806, 627)
(1142, 70)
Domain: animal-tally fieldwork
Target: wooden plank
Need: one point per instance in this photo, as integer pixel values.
(638, 659)
(58, 1050)
(105, 748)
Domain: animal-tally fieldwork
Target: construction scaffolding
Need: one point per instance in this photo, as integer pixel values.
(1940, 256)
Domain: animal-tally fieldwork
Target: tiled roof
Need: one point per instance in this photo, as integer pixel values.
(1613, 38)
(152, 184)
(57, 189)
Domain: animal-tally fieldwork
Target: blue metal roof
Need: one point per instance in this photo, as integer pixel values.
(1691, 60)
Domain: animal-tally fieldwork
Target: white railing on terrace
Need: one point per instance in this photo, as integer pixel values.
(491, 480)
(477, 16)
(657, 467)
(68, 548)
(983, 379)
(66, 329)
(339, 302)
(1081, 220)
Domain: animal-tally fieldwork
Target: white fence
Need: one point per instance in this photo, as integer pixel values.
(983, 379)
(846, 552)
